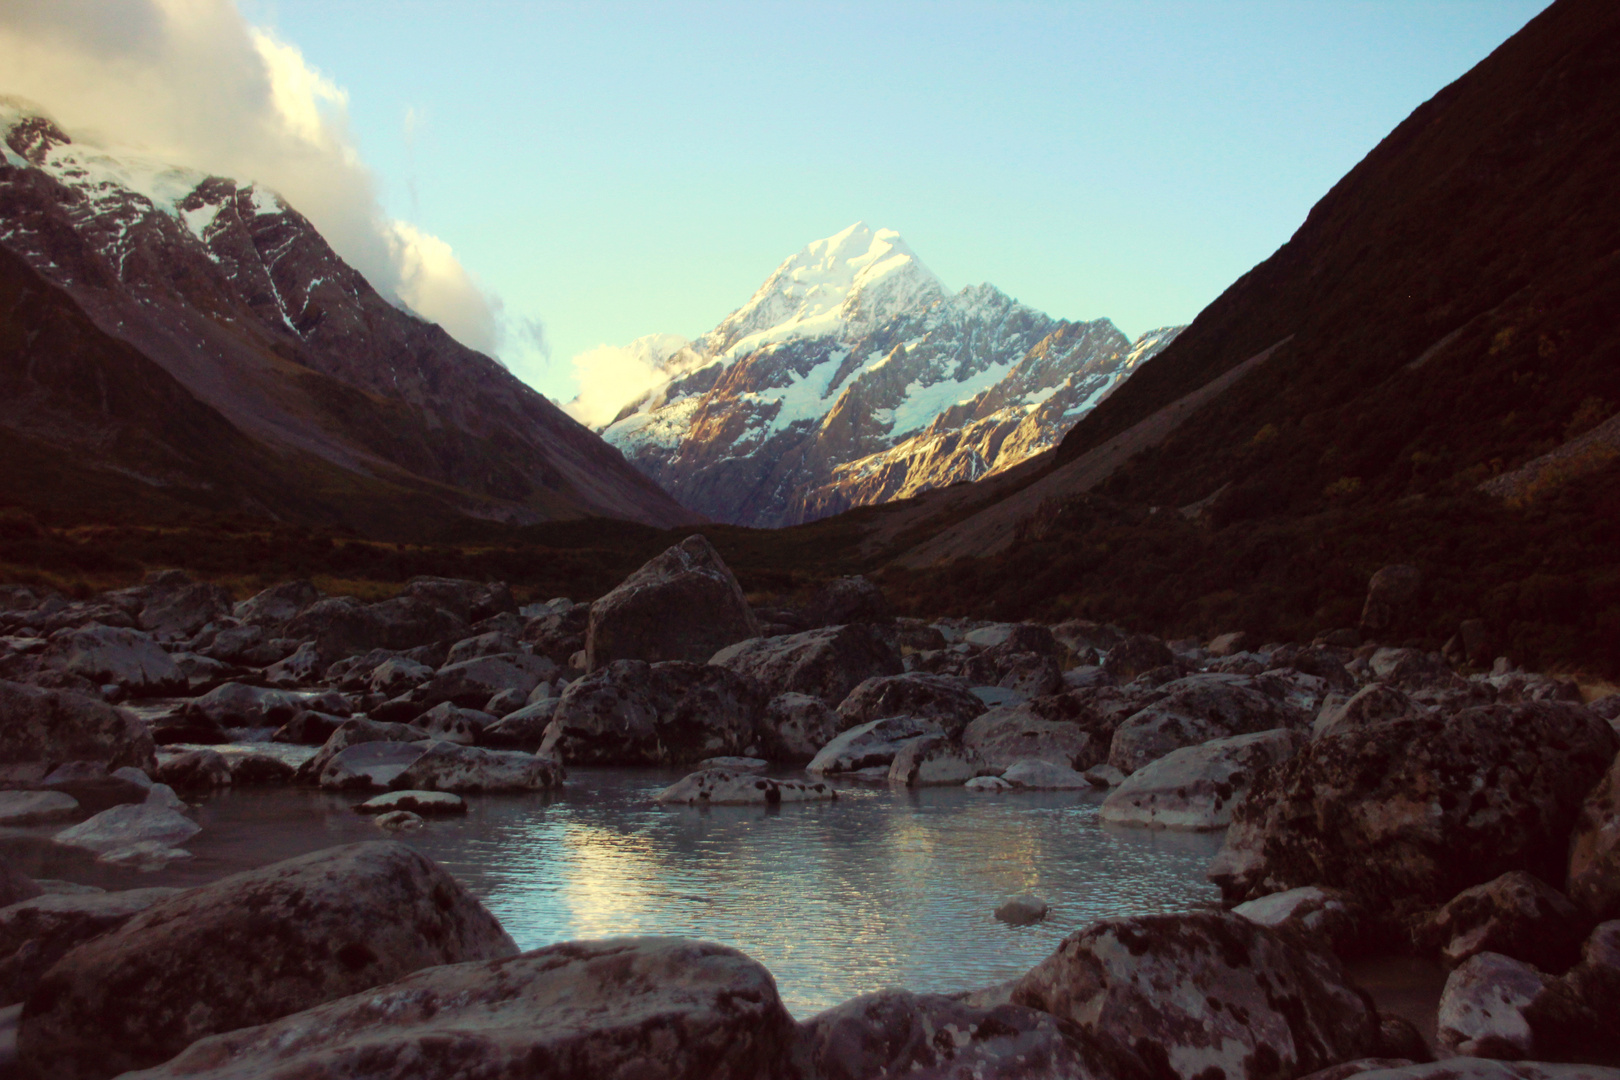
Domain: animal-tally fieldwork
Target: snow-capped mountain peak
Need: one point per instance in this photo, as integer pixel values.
(834, 287)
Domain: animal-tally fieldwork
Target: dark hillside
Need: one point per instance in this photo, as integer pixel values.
(1454, 312)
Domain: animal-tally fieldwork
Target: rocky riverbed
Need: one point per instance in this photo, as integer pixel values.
(1378, 802)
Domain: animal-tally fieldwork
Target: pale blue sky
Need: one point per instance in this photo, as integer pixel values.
(618, 169)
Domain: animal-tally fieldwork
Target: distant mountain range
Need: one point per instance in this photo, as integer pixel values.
(174, 343)
(853, 377)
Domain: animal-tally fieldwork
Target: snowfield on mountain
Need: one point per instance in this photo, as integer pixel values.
(853, 377)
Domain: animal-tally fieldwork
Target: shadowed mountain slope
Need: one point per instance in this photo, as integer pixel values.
(236, 298)
(1445, 317)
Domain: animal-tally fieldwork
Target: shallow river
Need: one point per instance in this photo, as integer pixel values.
(880, 888)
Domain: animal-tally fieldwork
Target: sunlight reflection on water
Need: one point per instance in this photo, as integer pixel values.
(877, 889)
(881, 888)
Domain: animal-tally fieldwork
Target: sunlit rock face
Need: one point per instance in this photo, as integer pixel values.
(854, 377)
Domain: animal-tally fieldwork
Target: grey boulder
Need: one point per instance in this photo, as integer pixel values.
(870, 745)
(125, 658)
(947, 700)
(444, 766)
(827, 663)
(1205, 994)
(620, 1007)
(895, 1033)
(248, 949)
(728, 787)
(1196, 787)
(40, 728)
(127, 825)
(36, 933)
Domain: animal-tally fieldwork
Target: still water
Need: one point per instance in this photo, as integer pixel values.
(880, 888)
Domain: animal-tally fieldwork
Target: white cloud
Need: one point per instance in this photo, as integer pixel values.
(191, 82)
(613, 376)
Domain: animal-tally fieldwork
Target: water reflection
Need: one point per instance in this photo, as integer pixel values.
(879, 888)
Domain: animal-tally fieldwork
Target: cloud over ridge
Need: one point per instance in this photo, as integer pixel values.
(193, 83)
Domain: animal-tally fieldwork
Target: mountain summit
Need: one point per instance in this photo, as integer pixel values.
(853, 377)
(177, 342)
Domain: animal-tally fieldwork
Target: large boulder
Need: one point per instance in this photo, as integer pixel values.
(369, 766)
(1594, 852)
(353, 732)
(521, 729)
(235, 704)
(1197, 786)
(932, 760)
(42, 728)
(867, 746)
(847, 600)
(1205, 994)
(727, 787)
(248, 949)
(895, 1033)
(470, 601)
(558, 631)
(1137, 655)
(1494, 1006)
(1063, 728)
(1331, 916)
(945, 699)
(126, 658)
(1593, 987)
(827, 663)
(1196, 710)
(1412, 809)
(1516, 915)
(685, 604)
(671, 713)
(278, 605)
(179, 607)
(128, 825)
(445, 766)
(795, 726)
(623, 1008)
(341, 626)
(36, 933)
(36, 807)
(471, 683)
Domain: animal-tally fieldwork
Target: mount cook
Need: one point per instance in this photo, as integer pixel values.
(853, 377)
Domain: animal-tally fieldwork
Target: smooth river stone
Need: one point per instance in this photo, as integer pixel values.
(36, 807)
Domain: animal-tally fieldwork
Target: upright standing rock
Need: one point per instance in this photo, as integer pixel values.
(683, 605)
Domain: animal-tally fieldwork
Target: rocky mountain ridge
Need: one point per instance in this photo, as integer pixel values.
(853, 377)
(353, 403)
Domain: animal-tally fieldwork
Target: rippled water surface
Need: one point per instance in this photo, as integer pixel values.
(881, 888)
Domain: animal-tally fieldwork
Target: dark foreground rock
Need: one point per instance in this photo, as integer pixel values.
(248, 949)
(662, 1008)
(1413, 807)
(36, 933)
(1205, 995)
(900, 1034)
(41, 728)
